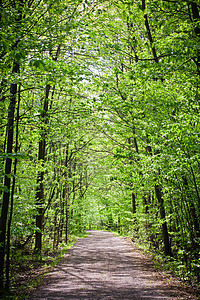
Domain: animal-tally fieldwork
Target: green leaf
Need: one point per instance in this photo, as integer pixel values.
(38, 64)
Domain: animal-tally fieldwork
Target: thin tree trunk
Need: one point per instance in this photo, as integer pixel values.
(8, 166)
(149, 32)
(196, 18)
(133, 203)
(158, 189)
(62, 212)
(12, 199)
(40, 177)
(41, 156)
(167, 246)
(55, 226)
(66, 193)
(133, 197)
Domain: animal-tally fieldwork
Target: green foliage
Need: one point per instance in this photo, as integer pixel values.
(121, 117)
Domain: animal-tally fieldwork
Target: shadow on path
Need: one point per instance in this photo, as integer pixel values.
(103, 266)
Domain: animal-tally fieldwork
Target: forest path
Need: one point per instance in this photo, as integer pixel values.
(104, 266)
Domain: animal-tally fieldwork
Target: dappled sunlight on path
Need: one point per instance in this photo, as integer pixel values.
(103, 266)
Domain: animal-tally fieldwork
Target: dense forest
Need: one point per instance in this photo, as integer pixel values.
(99, 125)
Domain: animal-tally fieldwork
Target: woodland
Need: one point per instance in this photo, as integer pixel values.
(99, 126)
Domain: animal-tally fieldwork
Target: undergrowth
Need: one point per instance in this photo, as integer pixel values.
(28, 269)
(170, 265)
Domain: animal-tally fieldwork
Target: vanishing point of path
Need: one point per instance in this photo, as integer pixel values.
(104, 266)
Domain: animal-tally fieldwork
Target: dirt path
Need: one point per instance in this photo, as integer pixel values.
(103, 266)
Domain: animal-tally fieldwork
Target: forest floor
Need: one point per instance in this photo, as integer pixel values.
(105, 266)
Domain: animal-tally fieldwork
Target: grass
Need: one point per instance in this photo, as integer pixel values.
(28, 269)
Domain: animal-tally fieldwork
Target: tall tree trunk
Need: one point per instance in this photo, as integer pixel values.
(167, 246)
(41, 157)
(55, 225)
(158, 189)
(8, 166)
(66, 192)
(2, 113)
(40, 176)
(62, 212)
(135, 145)
(12, 199)
(196, 19)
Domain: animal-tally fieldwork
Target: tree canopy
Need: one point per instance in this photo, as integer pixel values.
(100, 125)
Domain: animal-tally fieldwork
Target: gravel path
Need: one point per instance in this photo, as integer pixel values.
(104, 266)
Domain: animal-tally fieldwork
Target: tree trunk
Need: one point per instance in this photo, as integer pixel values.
(7, 179)
(40, 176)
(55, 228)
(150, 38)
(62, 212)
(41, 157)
(167, 246)
(196, 19)
(12, 199)
(66, 222)
(133, 203)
